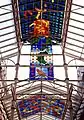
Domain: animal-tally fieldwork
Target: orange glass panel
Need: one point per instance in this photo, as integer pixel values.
(41, 28)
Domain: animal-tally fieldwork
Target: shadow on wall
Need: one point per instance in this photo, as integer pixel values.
(82, 116)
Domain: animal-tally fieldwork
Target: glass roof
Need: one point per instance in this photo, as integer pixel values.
(8, 43)
(16, 67)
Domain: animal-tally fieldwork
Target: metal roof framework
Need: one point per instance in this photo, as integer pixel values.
(23, 88)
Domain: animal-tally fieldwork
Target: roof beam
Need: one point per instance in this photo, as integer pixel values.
(16, 22)
(66, 22)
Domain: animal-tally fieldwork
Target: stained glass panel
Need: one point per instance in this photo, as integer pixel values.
(45, 104)
(41, 25)
(51, 10)
(41, 65)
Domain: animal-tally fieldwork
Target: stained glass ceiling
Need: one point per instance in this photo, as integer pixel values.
(30, 11)
(7, 24)
(9, 48)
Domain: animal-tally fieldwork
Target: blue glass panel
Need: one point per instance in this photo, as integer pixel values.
(39, 64)
(54, 13)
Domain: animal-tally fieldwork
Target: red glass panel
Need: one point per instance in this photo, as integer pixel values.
(41, 28)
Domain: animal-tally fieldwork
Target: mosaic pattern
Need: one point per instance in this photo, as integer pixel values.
(45, 104)
(53, 11)
(55, 14)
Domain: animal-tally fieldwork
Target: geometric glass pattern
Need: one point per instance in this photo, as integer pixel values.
(55, 14)
(41, 103)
